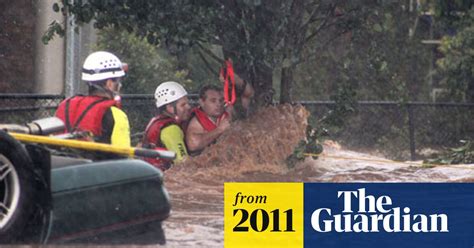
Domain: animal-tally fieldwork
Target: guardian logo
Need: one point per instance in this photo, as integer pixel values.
(374, 215)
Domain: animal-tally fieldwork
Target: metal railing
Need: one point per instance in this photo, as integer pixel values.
(403, 131)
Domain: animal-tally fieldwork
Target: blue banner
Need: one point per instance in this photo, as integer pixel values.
(389, 215)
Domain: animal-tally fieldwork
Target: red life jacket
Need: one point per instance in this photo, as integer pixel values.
(153, 130)
(152, 140)
(84, 113)
(205, 121)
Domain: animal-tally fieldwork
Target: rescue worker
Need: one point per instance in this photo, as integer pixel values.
(166, 129)
(98, 113)
(209, 120)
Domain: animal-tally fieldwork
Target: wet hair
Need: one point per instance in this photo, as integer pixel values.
(204, 89)
(162, 109)
(93, 90)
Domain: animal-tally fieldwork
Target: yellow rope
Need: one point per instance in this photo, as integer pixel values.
(92, 146)
(85, 145)
(388, 161)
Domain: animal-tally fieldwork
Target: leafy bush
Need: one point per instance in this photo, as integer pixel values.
(460, 155)
(310, 145)
(458, 61)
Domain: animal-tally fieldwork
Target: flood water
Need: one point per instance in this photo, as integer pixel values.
(197, 186)
(197, 194)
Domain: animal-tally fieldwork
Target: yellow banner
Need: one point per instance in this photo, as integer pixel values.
(263, 215)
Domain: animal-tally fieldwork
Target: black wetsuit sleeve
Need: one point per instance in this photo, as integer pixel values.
(108, 123)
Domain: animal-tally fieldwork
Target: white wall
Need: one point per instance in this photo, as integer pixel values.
(58, 65)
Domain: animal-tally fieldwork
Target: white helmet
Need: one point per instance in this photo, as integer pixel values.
(168, 92)
(101, 65)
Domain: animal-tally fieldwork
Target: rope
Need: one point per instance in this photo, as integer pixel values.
(387, 161)
(92, 146)
(227, 72)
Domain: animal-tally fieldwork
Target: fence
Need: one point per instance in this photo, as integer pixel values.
(412, 130)
(398, 131)
(21, 108)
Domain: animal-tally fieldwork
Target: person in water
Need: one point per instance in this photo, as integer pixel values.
(165, 130)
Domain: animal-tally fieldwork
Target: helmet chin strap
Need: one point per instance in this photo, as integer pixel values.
(174, 116)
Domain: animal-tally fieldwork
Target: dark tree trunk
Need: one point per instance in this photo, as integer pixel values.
(294, 40)
(259, 76)
(261, 79)
(286, 85)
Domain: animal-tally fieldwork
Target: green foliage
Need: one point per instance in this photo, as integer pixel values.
(457, 65)
(379, 57)
(450, 12)
(460, 155)
(54, 28)
(335, 118)
(257, 35)
(177, 22)
(148, 66)
(374, 46)
(345, 104)
(310, 145)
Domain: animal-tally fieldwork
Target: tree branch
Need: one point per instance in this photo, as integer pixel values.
(210, 53)
(312, 55)
(309, 37)
(208, 65)
(321, 26)
(312, 16)
(316, 32)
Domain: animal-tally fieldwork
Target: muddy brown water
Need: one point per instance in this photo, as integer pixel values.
(197, 193)
(253, 151)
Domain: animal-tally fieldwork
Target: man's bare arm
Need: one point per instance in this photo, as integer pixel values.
(247, 92)
(197, 138)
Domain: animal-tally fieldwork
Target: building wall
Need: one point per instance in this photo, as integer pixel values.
(29, 66)
(17, 20)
